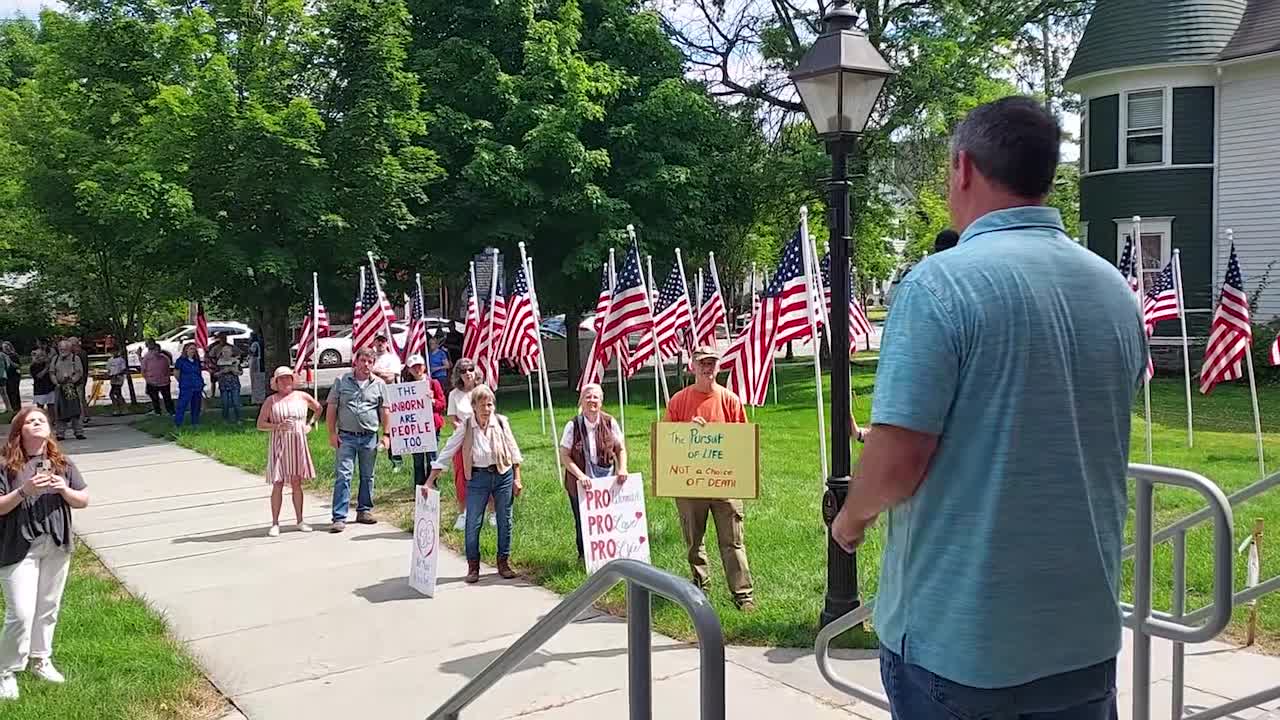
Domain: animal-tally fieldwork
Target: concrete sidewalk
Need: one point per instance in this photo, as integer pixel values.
(325, 626)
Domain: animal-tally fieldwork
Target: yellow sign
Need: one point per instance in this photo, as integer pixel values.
(717, 460)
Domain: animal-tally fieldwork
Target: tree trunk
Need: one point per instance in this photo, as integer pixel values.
(573, 358)
(274, 329)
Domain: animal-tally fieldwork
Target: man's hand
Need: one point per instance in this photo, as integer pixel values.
(848, 531)
(333, 440)
(699, 420)
(385, 442)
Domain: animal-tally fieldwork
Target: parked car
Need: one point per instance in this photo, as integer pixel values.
(172, 341)
(335, 350)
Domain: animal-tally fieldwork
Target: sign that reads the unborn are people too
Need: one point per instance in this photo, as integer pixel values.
(412, 427)
(614, 524)
(714, 461)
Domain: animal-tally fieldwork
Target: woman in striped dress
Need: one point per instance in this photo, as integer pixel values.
(285, 416)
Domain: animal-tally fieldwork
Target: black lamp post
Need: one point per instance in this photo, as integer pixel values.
(839, 81)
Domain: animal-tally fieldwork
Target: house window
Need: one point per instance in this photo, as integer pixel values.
(1144, 127)
(1157, 244)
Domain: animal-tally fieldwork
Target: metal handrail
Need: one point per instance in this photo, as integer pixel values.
(822, 652)
(642, 580)
(1240, 496)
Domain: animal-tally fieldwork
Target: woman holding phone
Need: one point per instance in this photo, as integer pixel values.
(38, 488)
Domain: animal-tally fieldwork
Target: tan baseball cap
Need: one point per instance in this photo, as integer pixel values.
(706, 351)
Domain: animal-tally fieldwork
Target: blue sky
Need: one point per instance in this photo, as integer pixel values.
(30, 8)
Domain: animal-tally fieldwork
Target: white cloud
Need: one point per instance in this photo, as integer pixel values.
(29, 8)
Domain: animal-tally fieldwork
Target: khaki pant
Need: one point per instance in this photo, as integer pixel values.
(728, 515)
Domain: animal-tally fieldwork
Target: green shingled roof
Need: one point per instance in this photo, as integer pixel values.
(1129, 33)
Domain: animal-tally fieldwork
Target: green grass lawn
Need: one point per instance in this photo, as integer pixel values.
(785, 536)
(119, 660)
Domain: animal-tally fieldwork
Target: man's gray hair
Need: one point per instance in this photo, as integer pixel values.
(1013, 142)
(367, 352)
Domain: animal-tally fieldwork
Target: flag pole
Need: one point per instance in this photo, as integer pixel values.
(537, 323)
(1142, 296)
(492, 358)
(475, 295)
(622, 387)
(715, 278)
(820, 298)
(1253, 386)
(1186, 352)
(544, 383)
(693, 319)
(315, 334)
(773, 366)
(653, 331)
(658, 367)
(377, 287)
(751, 302)
(805, 251)
(359, 301)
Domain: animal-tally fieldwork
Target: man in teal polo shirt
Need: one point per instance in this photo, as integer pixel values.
(1007, 376)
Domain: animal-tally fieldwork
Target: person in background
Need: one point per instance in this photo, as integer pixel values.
(285, 416)
(67, 374)
(211, 354)
(1001, 454)
(945, 240)
(13, 376)
(387, 368)
(5, 363)
(39, 487)
(591, 446)
(227, 362)
(491, 462)
(415, 370)
(257, 369)
(438, 356)
(157, 372)
(43, 389)
(190, 373)
(466, 378)
(117, 369)
(707, 401)
(357, 408)
(78, 348)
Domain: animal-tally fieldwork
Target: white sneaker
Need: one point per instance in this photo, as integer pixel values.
(493, 520)
(274, 531)
(44, 669)
(8, 686)
(303, 527)
(461, 524)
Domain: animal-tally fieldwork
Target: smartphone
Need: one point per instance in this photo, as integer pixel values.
(44, 466)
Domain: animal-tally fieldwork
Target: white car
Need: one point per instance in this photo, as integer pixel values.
(172, 341)
(335, 350)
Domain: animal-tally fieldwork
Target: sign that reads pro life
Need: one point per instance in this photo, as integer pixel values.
(412, 427)
(614, 524)
(713, 461)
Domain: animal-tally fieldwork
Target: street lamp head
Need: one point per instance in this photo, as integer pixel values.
(840, 78)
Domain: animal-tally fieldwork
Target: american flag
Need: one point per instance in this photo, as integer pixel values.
(711, 311)
(471, 332)
(1129, 269)
(671, 316)
(629, 310)
(307, 339)
(417, 342)
(373, 316)
(859, 325)
(598, 359)
(202, 330)
(494, 320)
(520, 342)
(1231, 334)
(1161, 301)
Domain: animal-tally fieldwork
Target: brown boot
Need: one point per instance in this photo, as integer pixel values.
(473, 572)
(504, 569)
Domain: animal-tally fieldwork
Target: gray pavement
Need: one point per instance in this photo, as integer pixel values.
(325, 626)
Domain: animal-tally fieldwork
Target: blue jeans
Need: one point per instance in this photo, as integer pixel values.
(189, 397)
(229, 387)
(917, 694)
(483, 484)
(353, 448)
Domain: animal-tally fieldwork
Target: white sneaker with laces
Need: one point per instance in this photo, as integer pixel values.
(461, 524)
(43, 668)
(303, 527)
(8, 686)
(274, 531)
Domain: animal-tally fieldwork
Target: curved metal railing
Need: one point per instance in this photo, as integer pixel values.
(642, 580)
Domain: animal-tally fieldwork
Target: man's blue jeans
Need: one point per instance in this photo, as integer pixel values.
(483, 484)
(353, 448)
(917, 694)
(229, 387)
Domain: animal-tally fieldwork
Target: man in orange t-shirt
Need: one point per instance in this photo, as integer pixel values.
(707, 401)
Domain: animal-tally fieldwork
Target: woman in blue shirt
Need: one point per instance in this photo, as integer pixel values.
(190, 384)
(439, 358)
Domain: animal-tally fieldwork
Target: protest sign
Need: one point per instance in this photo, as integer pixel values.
(412, 428)
(426, 543)
(614, 524)
(715, 461)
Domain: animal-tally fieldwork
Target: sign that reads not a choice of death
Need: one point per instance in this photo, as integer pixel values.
(412, 428)
(717, 460)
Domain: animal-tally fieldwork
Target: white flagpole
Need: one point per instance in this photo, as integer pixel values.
(1253, 387)
(537, 324)
(475, 296)
(693, 319)
(377, 287)
(544, 383)
(1142, 297)
(1186, 353)
(653, 333)
(492, 357)
(773, 367)
(315, 335)
(805, 251)
(751, 303)
(622, 388)
(820, 299)
(658, 367)
(715, 278)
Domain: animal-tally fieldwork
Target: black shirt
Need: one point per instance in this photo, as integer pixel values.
(42, 384)
(46, 514)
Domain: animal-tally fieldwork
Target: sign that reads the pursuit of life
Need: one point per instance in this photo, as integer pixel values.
(412, 427)
(614, 524)
(715, 461)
